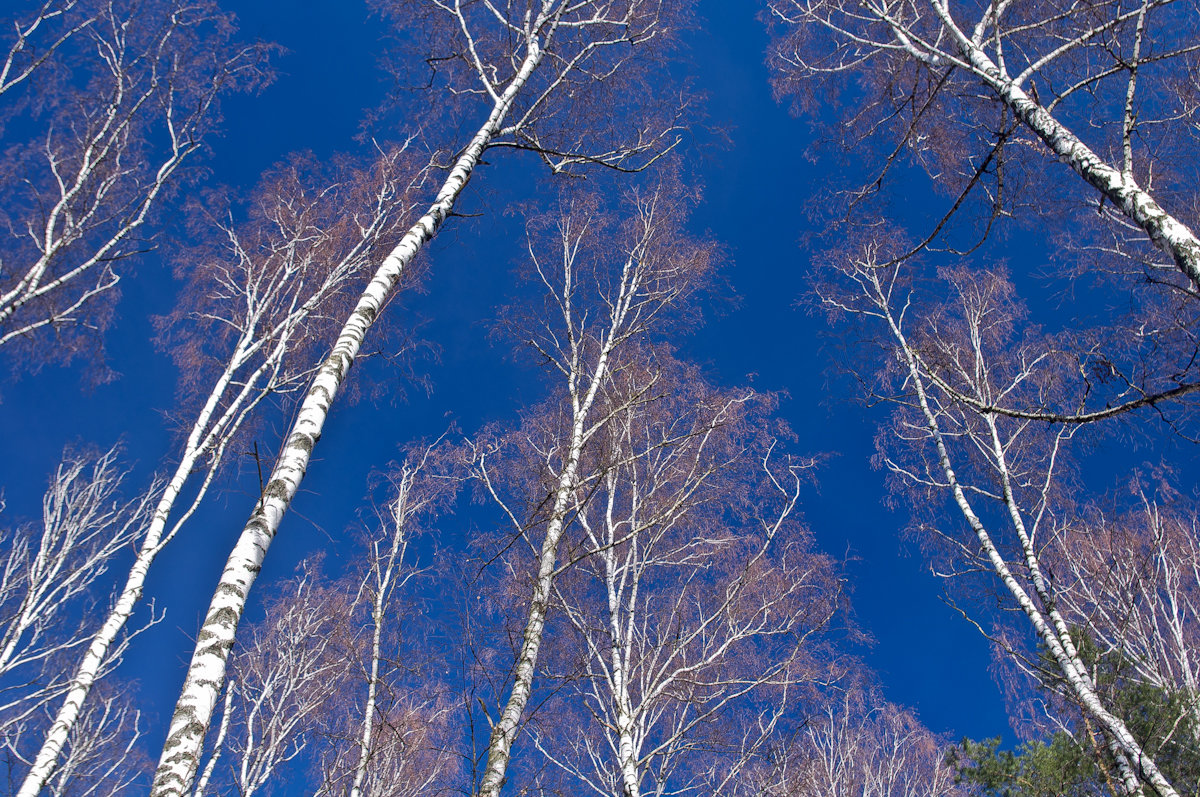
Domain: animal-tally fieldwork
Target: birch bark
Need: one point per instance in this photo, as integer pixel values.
(1072, 52)
(193, 712)
(218, 743)
(1040, 607)
(1167, 232)
(281, 683)
(268, 299)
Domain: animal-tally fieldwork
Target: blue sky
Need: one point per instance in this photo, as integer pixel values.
(755, 191)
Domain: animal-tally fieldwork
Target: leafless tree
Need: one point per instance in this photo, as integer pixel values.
(280, 680)
(408, 754)
(320, 675)
(612, 286)
(126, 92)
(241, 335)
(48, 575)
(1105, 88)
(527, 64)
(387, 739)
(1134, 583)
(693, 597)
(102, 756)
(861, 745)
(1002, 473)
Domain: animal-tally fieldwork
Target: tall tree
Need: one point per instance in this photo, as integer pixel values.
(254, 295)
(49, 574)
(534, 67)
(970, 89)
(1001, 473)
(694, 602)
(607, 295)
(387, 737)
(116, 98)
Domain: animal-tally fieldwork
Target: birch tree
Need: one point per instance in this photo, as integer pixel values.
(388, 736)
(1001, 473)
(859, 744)
(409, 753)
(526, 65)
(49, 573)
(968, 89)
(239, 335)
(608, 288)
(694, 601)
(1133, 582)
(126, 91)
(102, 756)
(321, 676)
(281, 679)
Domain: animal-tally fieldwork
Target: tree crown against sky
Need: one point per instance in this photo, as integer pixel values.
(979, 95)
(495, 93)
(105, 107)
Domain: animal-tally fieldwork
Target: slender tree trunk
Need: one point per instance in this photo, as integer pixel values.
(206, 672)
(621, 643)
(1167, 232)
(1121, 741)
(368, 727)
(201, 440)
(384, 583)
(505, 729)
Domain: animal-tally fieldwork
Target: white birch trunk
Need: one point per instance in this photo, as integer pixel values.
(927, 31)
(206, 672)
(368, 727)
(626, 309)
(255, 367)
(1118, 185)
(1121, 741)
(203, 439)
(385, 583)
(1167, 232)
(622, 641)
(505, 729)
(626, 748)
